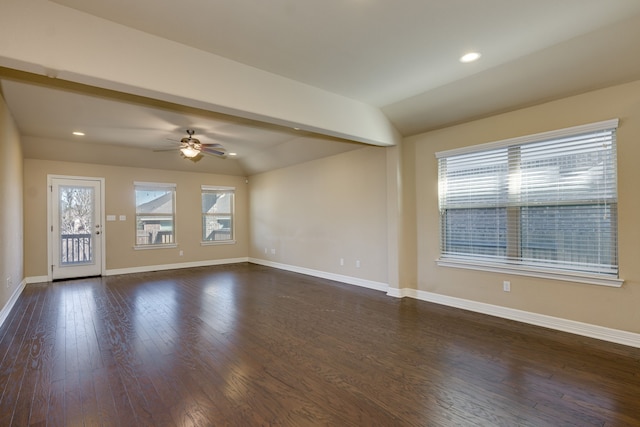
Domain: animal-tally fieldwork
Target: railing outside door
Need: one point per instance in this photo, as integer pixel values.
(75, 248)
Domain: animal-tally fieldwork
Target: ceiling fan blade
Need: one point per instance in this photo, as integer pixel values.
(216, 145)
(213, 151)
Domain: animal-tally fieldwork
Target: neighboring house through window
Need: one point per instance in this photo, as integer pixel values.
(217, 214)
(542, 205)
(155, 214)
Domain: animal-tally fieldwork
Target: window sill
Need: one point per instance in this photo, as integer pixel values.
(218, 242)
(145, 247)
(590, 279)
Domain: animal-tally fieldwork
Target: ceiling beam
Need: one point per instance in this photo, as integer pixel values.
(45, 38)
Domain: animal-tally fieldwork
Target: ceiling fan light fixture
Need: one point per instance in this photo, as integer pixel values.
(189, 152)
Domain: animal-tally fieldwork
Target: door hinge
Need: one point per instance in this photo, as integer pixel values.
(51, 268)
(52, 228)
(51, 188)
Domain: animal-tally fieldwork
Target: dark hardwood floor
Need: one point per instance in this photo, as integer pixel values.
(246, 345)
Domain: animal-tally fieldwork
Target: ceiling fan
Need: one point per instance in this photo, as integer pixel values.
(191, 147)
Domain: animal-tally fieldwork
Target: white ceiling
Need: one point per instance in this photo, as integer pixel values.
(399, 56)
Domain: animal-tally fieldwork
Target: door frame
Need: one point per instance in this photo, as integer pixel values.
(101, 215)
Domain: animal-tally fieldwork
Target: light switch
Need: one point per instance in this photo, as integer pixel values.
(123, 217)
(111, 217)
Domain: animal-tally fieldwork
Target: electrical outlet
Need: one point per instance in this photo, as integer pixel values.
(341, 261)
(358, 263)
(8, 282)
(266, 251)
(273, 251)
(506, 286)
(181, 253)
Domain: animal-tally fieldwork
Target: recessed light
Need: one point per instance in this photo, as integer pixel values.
(233, 154)
(78, 133)
(470, 57)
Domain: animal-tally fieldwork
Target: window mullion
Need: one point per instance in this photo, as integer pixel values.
(514, 247)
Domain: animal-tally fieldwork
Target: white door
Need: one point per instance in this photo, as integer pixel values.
(76, 228)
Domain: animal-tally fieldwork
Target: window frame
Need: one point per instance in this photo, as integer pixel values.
(156, 186)
(203, 215)
(503, 264)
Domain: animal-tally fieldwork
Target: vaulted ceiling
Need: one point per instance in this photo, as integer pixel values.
(285, 81)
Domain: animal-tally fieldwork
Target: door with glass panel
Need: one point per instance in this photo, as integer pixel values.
(76, 227)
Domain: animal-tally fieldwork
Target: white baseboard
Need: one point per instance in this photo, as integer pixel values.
(370, 284)
(148, 268)
(4, 313)
(585, 329)
(36, 279)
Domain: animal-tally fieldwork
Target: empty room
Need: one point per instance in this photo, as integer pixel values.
(342, 213)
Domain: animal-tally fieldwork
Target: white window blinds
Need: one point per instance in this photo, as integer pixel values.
(546, 201)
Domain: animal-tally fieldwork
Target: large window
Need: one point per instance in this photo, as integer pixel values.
(542, 203)
(155, 214)
(217, 214)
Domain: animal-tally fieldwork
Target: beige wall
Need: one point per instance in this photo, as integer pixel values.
(610, 307)
(11, 254)
(120, 200)
(317, 212)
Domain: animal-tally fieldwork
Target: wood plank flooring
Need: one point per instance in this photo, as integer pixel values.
(247, 345)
